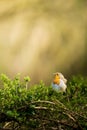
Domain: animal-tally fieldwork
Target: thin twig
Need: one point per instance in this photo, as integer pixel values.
(41, 101)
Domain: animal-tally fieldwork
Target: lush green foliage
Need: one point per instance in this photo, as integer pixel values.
(40, 107)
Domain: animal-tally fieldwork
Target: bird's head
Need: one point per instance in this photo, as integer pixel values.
(57, 77)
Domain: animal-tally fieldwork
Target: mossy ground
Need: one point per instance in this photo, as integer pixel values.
(40, 107)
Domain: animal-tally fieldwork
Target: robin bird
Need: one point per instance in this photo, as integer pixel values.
(59, 82)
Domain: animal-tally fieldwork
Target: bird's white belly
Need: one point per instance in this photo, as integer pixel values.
(61, 87)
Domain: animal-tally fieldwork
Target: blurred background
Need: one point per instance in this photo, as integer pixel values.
(40, 37)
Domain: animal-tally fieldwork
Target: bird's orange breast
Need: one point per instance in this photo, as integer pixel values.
(56, 79)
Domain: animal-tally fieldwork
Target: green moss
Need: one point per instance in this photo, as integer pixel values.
(40, 106)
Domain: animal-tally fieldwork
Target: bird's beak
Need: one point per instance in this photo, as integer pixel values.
(55, 73)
